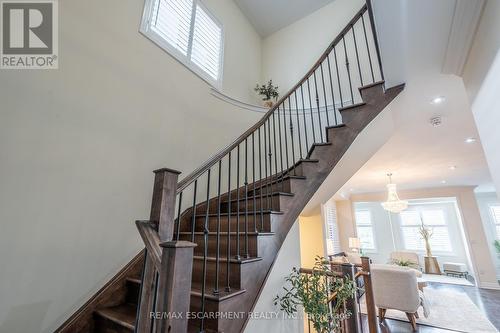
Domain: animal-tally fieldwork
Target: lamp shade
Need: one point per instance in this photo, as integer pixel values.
(354, 243)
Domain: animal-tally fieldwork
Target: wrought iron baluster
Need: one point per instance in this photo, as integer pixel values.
(368, 48)
(331, 87)
(237, 256)
(205, 252)
(179, 216)
(347, 66)
(317, 106)
(260, 185)
(253, 176)
(217, 241)
(304, 116)
(193, 221)
(246, 199)
(298, 123)
(324, 96)
(357, 54)
(280, 143)
(228, 229)
(291, 135)
(311, 110)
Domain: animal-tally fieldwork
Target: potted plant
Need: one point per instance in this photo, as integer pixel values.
(268, 93)
(426, 234)
(496, 243)
(309, 290)
(405, 263)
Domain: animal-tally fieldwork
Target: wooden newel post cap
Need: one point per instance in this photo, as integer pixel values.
(178, 244)
(167, 170)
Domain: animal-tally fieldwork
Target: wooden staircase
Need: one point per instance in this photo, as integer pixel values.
(239, 213)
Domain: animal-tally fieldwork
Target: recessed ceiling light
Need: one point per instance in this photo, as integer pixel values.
(436, 121)
(443, 182)
(438, 100)
(453, 167)
(470, 140)
(351, 190)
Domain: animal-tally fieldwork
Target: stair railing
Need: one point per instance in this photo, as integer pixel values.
(226, 200)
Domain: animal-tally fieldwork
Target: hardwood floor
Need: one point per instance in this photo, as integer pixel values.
(488, 301)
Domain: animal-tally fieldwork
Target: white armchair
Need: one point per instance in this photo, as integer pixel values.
(396, 288)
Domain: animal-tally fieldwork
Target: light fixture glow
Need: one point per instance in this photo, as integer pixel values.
(470, 140)
(443, 182)
(453, 167)
(393, 203)
(438, 100)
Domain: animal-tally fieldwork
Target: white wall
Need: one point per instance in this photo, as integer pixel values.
(484, 200)
(288, 258)
(482, 79)
(288, 54)
(78, 146)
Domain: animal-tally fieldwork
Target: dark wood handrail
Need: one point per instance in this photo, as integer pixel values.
(151, 239)
(186, 181)
(327, 273)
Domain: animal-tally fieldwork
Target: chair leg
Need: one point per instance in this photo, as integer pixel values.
(381, 314)
(416, 315)
(413, 322)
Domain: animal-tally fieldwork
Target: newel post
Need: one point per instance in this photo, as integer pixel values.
(352, 323)
(370, 300)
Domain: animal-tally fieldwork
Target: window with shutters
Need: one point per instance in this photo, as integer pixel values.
(433, 218)
(332, 230)
(495, 213)
(189, 32)
(364, 228)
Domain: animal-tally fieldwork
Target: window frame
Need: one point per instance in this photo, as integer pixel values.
(371, 226)
(445, 225)
(496, 224)
(145, 29)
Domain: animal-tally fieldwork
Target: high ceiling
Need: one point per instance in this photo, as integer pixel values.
(269, 16)
(418, 154)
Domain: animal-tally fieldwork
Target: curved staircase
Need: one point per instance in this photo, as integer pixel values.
(239, 207)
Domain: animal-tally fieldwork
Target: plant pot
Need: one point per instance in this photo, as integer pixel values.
(268, 104)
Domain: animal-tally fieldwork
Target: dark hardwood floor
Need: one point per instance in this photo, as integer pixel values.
(488, 301)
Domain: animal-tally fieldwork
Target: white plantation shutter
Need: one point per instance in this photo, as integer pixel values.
(333, 240)
(434, 219)
(207, 40)
(172, 20)
(189, 32)
(495, 212)
(364, 228)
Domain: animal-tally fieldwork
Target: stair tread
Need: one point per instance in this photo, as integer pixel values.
(242, 233)
(242, 197)
(352, 106)
(133, 280)
(366, 86)
(232, 260)
(234, 213)
(223, 295)
(336, 126)
(123, 314)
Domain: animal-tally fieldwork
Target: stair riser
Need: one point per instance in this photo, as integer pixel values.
(133, 290)
(212, 244)
(372, 93)
(288, 185)
(249, 204)
(234, 275)
(104, 325)
(264, 224)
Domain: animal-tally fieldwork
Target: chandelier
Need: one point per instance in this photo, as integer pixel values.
(393, 203)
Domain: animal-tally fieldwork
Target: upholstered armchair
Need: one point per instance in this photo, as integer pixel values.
(396, 288)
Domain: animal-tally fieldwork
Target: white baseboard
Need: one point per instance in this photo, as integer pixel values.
(489, 285)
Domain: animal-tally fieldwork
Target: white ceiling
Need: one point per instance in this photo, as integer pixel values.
(269, 16)
(418, 154)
